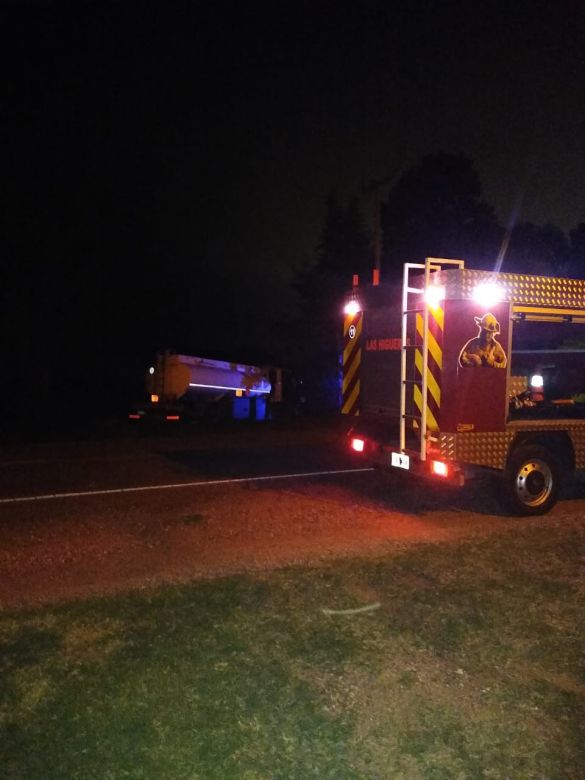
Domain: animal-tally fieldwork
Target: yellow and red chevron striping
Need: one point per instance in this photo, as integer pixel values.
(434, 365)
(352, 353)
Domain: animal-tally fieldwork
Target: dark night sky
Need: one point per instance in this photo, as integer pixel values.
(184, 107)
(142, 138)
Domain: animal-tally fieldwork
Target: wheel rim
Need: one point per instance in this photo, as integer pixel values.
(534, 483)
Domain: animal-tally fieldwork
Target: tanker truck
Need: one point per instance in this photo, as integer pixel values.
(185, 387)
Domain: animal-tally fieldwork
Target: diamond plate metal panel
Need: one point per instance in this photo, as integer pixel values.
(517, 385)
(578, 438)
(574, 428)
(517, 288)
(447, 446)
(483, 449)
(491, 449)
(479, 449)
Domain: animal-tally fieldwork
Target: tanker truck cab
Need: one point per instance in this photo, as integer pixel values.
(490, 375)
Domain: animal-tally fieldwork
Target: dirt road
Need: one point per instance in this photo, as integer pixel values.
(99, 543)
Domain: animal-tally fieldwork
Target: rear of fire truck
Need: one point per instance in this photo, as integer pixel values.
(488, 373)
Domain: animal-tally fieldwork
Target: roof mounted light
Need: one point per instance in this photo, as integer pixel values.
(433, 295)
(537, 381)
(352, 307)
(487, 294)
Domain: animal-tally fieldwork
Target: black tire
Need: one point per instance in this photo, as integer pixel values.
(532, 480)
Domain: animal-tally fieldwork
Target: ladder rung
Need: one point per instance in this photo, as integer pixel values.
(412, 346)
(412, 416)
(414, 290)
(412, 311)
(412, 381)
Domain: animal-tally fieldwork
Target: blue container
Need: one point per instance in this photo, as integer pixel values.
(260, 408)
(241, 408)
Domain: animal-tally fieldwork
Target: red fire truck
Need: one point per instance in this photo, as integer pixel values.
(462, 370)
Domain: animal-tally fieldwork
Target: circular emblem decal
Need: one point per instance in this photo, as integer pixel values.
(351, 331)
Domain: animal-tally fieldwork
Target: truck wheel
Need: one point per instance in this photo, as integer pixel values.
(532, 481)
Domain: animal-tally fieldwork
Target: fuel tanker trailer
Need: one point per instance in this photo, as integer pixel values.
(186, 387)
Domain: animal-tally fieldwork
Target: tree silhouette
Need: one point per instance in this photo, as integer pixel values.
(345, 248)
(538, 249)
(577, 249)
(435, 210)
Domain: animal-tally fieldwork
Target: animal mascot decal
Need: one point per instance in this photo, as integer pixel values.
(484, 349)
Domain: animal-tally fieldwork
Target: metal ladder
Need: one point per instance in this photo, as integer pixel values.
(411, 306)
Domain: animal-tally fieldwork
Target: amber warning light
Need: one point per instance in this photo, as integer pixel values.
(357, 445)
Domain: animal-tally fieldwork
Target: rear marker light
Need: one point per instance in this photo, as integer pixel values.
(134, 417)
(357, 445)
(439, 468)
(173, 417)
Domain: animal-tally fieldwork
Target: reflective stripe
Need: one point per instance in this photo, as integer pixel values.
(348, 376)
(431, 419)
(546, 310)
(434, 336)
(432, 383)
(439, 316)
(434, 348)
(348, 405)
(351, 361)
(352, 343)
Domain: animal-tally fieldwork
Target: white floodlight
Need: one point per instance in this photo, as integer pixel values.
(151, 370)
(537, 381)
(352, 307)
(487, 294)
(434, 295)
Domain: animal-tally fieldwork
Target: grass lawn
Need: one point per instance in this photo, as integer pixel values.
(472, 666)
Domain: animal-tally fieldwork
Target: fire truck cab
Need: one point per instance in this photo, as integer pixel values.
(463, 370)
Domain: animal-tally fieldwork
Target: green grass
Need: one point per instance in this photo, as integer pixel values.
(472, 667)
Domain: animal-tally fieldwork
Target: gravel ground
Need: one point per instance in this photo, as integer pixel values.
(95, 545)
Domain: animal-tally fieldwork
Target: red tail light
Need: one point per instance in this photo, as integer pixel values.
(357, 445)
(439, 468)
(173, 417)
(134, 417)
